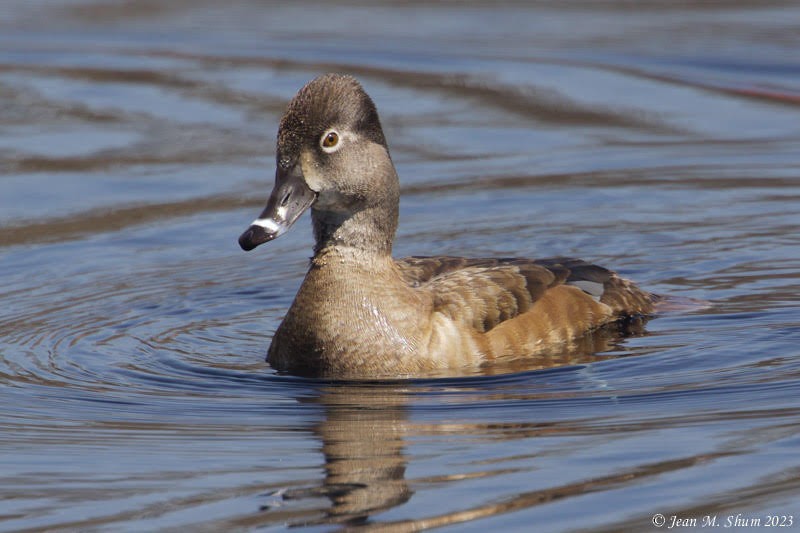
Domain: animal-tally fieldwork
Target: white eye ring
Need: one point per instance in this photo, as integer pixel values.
(330, 141)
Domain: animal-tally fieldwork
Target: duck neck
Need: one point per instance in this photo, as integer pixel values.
(368, 231)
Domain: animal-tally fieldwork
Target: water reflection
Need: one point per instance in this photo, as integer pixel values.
(367, 429)
(363, 438)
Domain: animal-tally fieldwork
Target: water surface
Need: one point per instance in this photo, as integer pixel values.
(137, 142)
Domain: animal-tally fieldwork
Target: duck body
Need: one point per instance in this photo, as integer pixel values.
(359, 313)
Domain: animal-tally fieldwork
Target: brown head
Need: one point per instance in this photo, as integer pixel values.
(332, 157)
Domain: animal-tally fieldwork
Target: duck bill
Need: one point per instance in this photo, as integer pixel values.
(289, 199)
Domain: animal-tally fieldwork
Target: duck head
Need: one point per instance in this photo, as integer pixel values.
(332, 157)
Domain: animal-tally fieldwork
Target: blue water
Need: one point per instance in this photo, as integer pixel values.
(137, 142)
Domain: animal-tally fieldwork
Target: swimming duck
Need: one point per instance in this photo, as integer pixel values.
(360, 313)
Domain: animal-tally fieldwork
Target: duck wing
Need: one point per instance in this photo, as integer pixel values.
(483, 293)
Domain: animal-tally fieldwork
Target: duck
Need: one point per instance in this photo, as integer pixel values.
(360, 313)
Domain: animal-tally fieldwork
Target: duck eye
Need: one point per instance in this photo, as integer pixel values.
(329, 140)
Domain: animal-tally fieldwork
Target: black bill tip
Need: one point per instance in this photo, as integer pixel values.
(253, 236)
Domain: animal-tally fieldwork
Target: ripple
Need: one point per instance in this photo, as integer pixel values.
(133, 330)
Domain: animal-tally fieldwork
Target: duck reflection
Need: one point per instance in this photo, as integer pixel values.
(362, 440)
(362, 436)
(366, 425)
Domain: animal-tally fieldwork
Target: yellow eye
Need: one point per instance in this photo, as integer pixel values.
(330, 139)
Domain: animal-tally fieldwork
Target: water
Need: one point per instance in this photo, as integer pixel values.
(136, 143)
